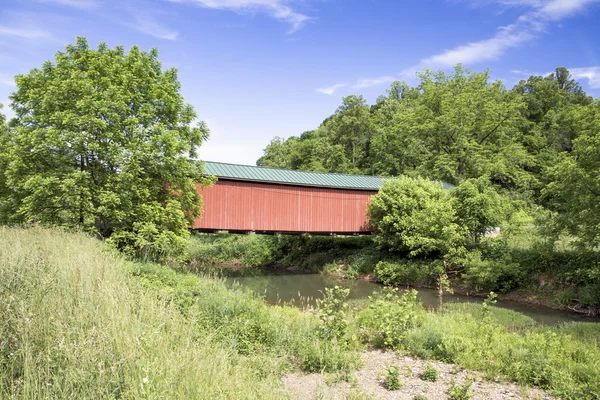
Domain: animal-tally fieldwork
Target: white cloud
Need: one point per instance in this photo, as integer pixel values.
(592, 74)
(24, 32)
(559, 9)
(370, 82)
(278, 9)
(81, 4)
(150, 26)
(484, 50)
(329, 90)
(6, 80)
(527, 27)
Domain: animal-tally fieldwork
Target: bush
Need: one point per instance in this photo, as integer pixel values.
(406, 272)
(460, 392)
(389, 316)
(393, 381)
(415, 216)
(430, 373)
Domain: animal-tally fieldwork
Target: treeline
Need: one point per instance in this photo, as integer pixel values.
(538, 143)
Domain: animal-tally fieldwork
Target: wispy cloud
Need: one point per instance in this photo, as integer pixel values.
(81, 4)
(149, 25)
(6, 80)
(484, 50)
(24, 32)
(526, 28)
(592, 74)
(329, 90)
(278, 9)
(370, 82)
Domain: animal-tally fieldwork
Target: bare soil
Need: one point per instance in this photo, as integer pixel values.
(367, 383)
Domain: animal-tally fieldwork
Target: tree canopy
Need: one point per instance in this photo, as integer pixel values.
(533, 143)
(102, 140)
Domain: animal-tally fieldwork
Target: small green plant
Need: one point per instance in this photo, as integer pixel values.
(392, 378)
(389, 317)
(332, 313)
(420, 397)
(487, 303)
(430, 374)
(460, 392)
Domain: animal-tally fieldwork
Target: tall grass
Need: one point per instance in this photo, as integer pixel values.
(79, 321)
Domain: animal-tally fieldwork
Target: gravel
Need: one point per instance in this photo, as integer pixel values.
(367, 383)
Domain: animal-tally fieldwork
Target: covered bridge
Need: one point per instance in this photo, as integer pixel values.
(272, 200)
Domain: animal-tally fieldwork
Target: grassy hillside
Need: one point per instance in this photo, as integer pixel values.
(79, 321)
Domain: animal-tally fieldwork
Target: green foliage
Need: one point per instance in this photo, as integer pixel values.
(511, 319)
(430, 373)
(103, 141)
(575, 185)
(389, 316)
(250, 250)
(406, 271)
(332, 312)
(562, 360)
(393, 381)
(460, 392)
(415, 216)
(479, 207)
(419, 397)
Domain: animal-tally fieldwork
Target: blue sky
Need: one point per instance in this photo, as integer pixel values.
(255, 69)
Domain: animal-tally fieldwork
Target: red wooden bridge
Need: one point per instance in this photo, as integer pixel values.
(271, 200)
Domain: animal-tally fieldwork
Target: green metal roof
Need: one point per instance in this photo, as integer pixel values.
(292, 177)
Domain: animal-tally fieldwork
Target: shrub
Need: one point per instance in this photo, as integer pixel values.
(389, 316)
(460, 392)
(415, 216)
(405, 272)
(393, 381)
(430, 373)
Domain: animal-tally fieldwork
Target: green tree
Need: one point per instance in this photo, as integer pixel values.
(103, 141)
(351, 128)
(574, 190)
(479, 207)
(416, 216)
(549, 124)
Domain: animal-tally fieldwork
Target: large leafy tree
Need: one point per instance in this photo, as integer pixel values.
(574, 190)
(550, 121)
(103, 140)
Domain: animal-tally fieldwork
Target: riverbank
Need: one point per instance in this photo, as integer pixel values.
(82, 321)
(515, 269)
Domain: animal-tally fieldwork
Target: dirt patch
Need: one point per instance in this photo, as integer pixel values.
(368, 382)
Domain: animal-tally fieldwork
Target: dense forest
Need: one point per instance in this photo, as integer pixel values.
(536, 143)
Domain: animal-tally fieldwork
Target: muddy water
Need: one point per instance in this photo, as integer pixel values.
(305, 290)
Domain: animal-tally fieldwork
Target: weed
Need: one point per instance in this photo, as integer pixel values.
(460, 392)
(332, 312)
(419, 397)
(393, 381)
(430, 373)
